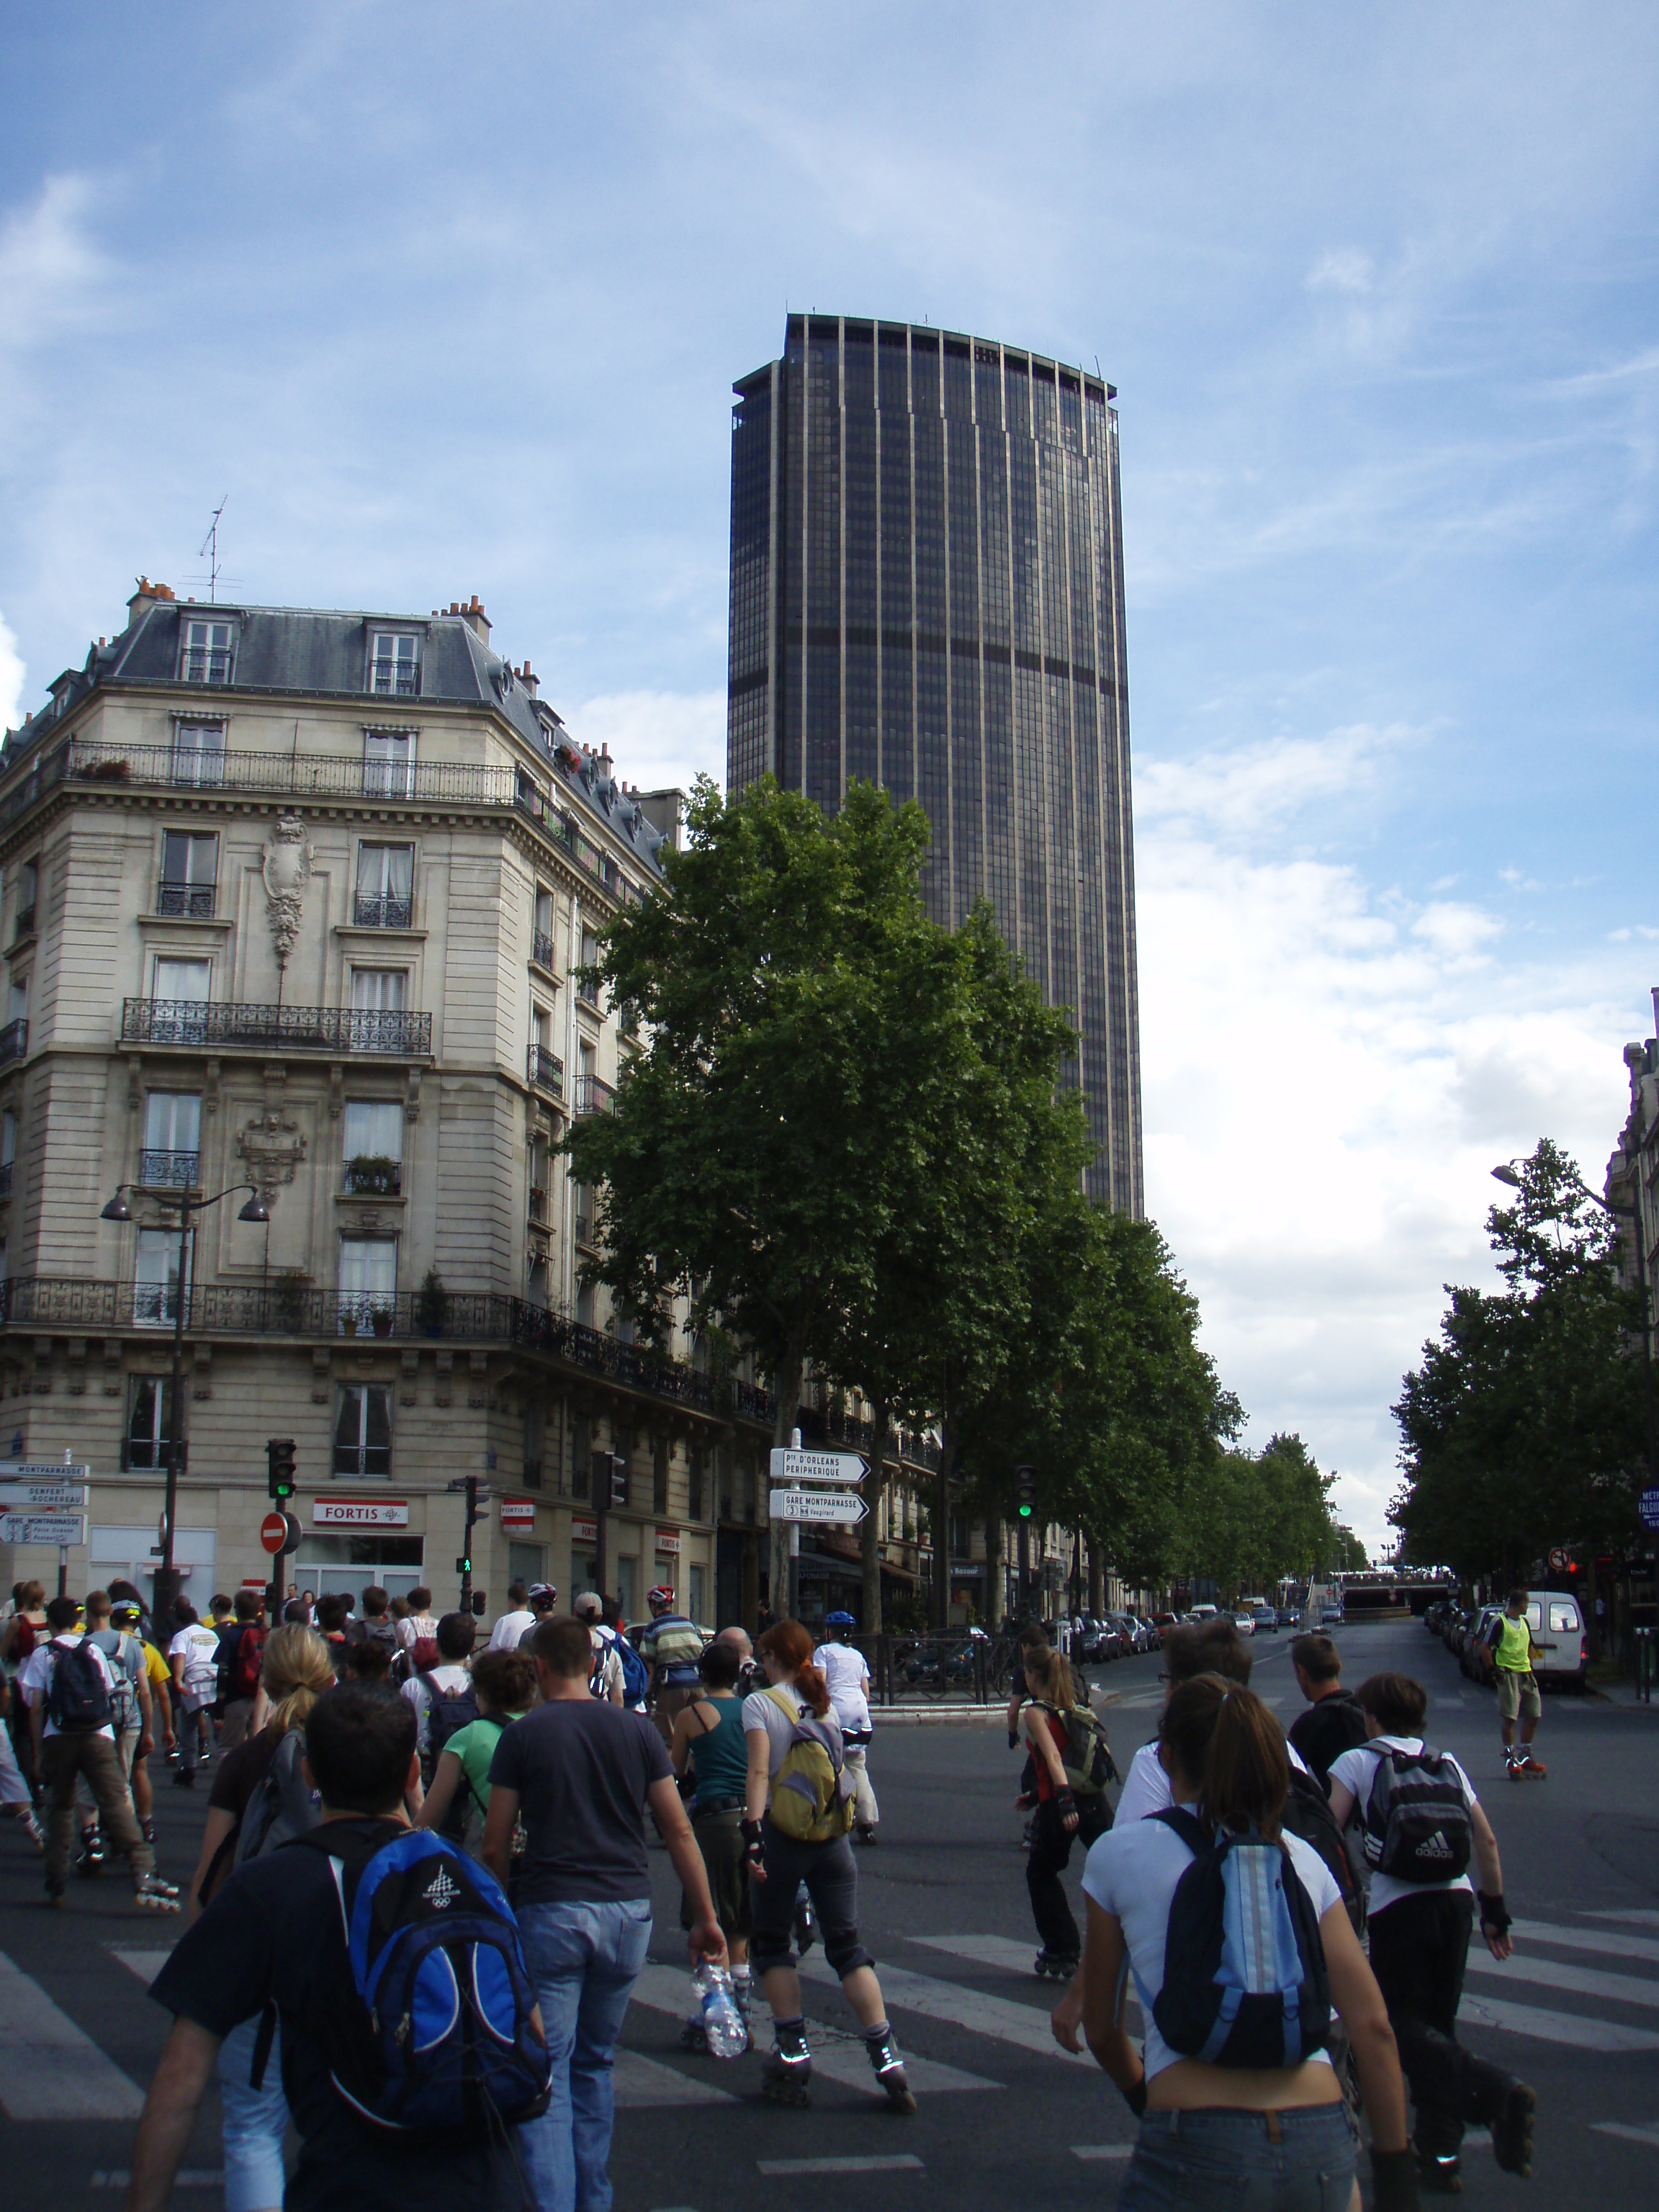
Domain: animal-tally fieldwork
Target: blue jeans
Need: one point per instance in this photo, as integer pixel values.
(255, 2122)
(584, 1960)
(1295, 2161)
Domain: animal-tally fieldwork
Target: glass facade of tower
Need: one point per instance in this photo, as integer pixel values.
(928, 592)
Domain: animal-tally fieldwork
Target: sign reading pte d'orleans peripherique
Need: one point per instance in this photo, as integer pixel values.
(791, 1466)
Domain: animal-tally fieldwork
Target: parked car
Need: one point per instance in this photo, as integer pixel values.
(1266, 1619)
(1146, 1638)
(1163, 1622)
(1244, 1623)
(1471, 1653)
(1289, 1617)
(1204, 1613)
(1330, 1616)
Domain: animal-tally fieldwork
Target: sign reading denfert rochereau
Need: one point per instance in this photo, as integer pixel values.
(360, 1513)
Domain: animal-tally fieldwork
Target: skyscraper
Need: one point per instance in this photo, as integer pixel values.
(927, 590)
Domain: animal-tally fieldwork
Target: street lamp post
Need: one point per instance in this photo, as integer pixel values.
(166, 1594)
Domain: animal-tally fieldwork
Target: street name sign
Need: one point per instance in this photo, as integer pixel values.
(57, 1497)
(1649, 1508)
(845, 1506)
(790, 1466)
(44, 1470)
(43, 1528)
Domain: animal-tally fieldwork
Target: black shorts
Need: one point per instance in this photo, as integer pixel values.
(720, 1838)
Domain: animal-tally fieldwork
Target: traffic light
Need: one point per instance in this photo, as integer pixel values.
(618, 1479)
(279, 1454)
(479, 1599)
(1025, 1477)
(464, 1566)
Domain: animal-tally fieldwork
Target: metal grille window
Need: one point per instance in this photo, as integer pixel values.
(149, 1421)
(543, 941)
(368, 1279)
(388, 764)
(208, 654)
(156, 1279)
(394, 669)
(198, 753)
(172, 1156)
(362, 1432)
(179, 1009)
(190, 871)
(374, 1147)
(385, 884)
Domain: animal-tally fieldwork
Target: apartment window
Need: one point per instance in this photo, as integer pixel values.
(190, 871)
(385, 885)
(156, 1279)
(368, 1279)
(379, 990)
(374, 1147)
(585, 1305)
(15, 1038)
(198, 753)
(394, 667)
(208, 654)
(28, 889)
(388, 764)
(8, 1150)
(172, 1156)
(588, 990)
(178, 1007)
(362, 1431)
(543, 946)
(150, 1422)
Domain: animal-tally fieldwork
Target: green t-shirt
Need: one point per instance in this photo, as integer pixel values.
(475, 1747)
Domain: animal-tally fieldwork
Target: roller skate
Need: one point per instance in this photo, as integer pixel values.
(789, 2075)
(888, 2068)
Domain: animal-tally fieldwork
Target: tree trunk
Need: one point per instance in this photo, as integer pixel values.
(947, 1461)
(1096, 1578)
(787, 1382)
(996, 1579)
(870, 1526)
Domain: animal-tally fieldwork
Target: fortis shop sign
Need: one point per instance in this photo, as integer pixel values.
(361, 1513)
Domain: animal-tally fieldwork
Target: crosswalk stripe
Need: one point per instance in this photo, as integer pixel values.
(1092, 2151)
(836, 2057)
(1634, 1919)
(1588, 1939)
(145, 1964)
(188, 2176)
(959, 2007)
(903, 2161)
(1580, 1981)
(1577, 2029)
(1648, 2135)
(998, 1951)
(50, 2069)
(640, 2082)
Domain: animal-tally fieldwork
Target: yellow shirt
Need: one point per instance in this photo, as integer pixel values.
(156, 1667)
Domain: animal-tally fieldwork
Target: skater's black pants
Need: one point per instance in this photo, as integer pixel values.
(1050, 1853)
(832, 1882)
(1419, 1946)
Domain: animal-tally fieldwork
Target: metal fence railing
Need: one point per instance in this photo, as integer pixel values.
(961, 1669)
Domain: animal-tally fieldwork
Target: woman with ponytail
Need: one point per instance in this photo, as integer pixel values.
(795, 1825)
(1210, 2129)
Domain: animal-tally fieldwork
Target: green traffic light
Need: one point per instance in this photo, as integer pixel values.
(1024, 1512)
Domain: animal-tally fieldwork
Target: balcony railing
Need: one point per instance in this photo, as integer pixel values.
(373, 1178)
(159, 1170)
(271, 1029)
(584, 1226)
(202, 664)
(382, 913)
(14, 1043)
(25, 923)
(537, 1207)
(587, 991)
(5, 1178)
(546, 1070)
(196, 900)
(541, 950)
(593, 1094)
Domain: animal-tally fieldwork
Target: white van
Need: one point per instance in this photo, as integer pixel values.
(1557, 1622)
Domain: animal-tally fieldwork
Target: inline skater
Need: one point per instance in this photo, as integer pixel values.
(709, 1746)
(845, 1669)
(1511, 1647)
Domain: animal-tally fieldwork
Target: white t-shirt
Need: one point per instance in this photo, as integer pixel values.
(504, 1636)
(845, 1670)
(36, 1679)
(446, 1678)
(610, 1674)
(1147, 1788)
(198, 1647)
(762, 1710)
(1133, 1871)
(1356, 1771)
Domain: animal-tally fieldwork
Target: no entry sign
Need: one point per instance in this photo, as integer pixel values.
(278, 1533)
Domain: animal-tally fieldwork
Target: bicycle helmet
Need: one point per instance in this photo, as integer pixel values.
(660, 1595)
(839, 1621)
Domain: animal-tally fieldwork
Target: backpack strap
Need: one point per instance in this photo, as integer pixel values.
(1187, 1825)
(781, 1701)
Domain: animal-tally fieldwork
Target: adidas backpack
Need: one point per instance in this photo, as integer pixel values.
(812, 1794)
(441, 2033)
(1417, 1823)
(78, 1700)
(1244, 1977)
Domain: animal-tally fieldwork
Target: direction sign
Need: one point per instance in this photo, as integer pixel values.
(844, 1506)
(42, 1497)
(792, 1466)
(44, 1470)
(1650, 1509)
(43, 1528)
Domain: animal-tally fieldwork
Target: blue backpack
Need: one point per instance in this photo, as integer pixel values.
(442, 2036)
(1245, 1979)
(636, 1675)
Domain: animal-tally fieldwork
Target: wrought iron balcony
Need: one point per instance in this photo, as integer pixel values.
(382, 913)
(159, 1170)
(546, 1070)
(14, 1043)
(593, 1094)
(25, 923)
(373, 1178)
(541, 950)
(196, 900)
(537, 1207)
(202, 1023)
(587, 991)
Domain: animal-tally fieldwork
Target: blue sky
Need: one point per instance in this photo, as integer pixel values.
(451, 300)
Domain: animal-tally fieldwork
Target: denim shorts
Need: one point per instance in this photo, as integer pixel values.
(1301, 2160)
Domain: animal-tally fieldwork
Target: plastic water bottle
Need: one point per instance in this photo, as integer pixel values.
(722, 2023)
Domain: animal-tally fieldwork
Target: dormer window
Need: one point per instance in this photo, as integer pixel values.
(208, 654)
(394, 667)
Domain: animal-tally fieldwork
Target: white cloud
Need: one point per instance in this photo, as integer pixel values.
(48, 263)
(657, 738)
(12, 676)
(1347, 269)
(1239, 792)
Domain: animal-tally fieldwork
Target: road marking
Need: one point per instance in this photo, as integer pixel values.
(1588, 1939)
(1575, 2029)
(50, 2069)
(641, 2083)
(837, 2056)
(998, 1951)
(145, 1964)
(1581, 1981)
(1102, 2150)
(903, 2161)
(1024, 2026)
(1635, 1919)
(1648, 2135)
(188, 2176)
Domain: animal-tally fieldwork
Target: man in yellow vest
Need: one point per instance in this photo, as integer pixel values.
(1508, 1641)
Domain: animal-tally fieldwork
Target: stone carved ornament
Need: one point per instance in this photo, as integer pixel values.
(286, 866)
(273, 1148)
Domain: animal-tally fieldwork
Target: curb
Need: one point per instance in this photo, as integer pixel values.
(961, 1715)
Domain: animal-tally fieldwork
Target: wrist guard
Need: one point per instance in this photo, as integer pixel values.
(1136, 2096)
(1066, 1803)
(1394, 2176)
(1494, 1915)
(1013, 1739)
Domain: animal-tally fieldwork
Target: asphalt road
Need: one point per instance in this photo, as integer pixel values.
(1005, 2119)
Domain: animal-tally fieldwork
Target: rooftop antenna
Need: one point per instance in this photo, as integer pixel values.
(210, 546)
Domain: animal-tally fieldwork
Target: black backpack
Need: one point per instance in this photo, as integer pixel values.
(1266, 2002)
(1417, 1825)
(446, 1711)
(78, 1702)
(1308, 1814)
